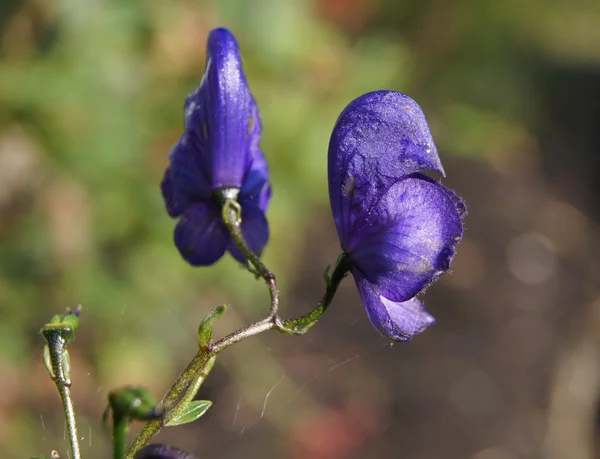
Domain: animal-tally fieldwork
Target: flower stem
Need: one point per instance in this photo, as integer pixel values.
(56, 358)
(153, 427)
(65, 395)
(198, 368)
(192, 390)
(232, 217)
(341, 270)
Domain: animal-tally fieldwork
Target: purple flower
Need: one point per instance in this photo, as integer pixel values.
(218, 152)
(160, 451)
(397, 227)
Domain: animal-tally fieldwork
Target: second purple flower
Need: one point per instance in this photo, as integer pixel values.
(398, 228)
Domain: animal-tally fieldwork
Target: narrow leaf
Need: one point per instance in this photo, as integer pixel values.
(205, 328)
(190, 413)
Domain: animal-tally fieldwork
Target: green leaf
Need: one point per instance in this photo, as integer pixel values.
(205, 328)
(48, 362)
(72, 320)
(190, 413)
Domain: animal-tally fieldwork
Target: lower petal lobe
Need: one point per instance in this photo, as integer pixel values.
(256, 187)
(189, 180)
(408, 239)
(395, 320)
(200, 234)
(174, 209)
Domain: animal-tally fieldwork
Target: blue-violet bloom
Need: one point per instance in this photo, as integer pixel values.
(398, 228)
(218, 150)
(160, 451)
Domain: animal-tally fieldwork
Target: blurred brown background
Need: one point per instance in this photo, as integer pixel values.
(91, 96)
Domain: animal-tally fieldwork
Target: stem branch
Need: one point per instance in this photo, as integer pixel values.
(200, 365)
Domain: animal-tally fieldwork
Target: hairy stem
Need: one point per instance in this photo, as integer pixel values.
(200, 365)
(175, 392)
(232, 218)
(196, 367)
(59, 369)
(340, 271)
(65, 395)
(192, 390)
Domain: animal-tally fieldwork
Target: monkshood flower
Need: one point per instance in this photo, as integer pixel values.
(218, 155)
(398, 228)
(160, 451)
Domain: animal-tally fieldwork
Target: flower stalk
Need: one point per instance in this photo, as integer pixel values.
(58, 333)
(189, 381)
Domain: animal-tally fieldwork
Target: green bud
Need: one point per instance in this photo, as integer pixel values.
(206, 326)
(135, 403)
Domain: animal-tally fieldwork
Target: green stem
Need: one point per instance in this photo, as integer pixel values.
(198, 368)
(59, 368)
(153, 427)
(120, 428)
(232, 217)
(192, 390)
(195, 367)
(341, 270)
(65, 395)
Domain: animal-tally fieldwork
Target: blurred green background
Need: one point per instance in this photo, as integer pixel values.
(91, 96)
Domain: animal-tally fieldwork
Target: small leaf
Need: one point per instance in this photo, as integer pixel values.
(297, 329)
(72, 320)
(48, 362)
(190, 413)
(55, 319)
(205, 328)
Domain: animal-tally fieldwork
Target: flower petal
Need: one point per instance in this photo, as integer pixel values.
(222, 118)
(159, 451)
(255, 230)
(379, 138)
(188, 181)
(200, 234)
(395, 320)
(408, 239)
(166, 187)
(256, 186)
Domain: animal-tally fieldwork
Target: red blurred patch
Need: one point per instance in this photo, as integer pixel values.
(333, 433)
(352, 15)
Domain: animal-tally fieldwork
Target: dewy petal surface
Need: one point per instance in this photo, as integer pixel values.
(395, 320)
(200, 234)
(408, 239)
(379, 138)
(220, 148)
(222, 118)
